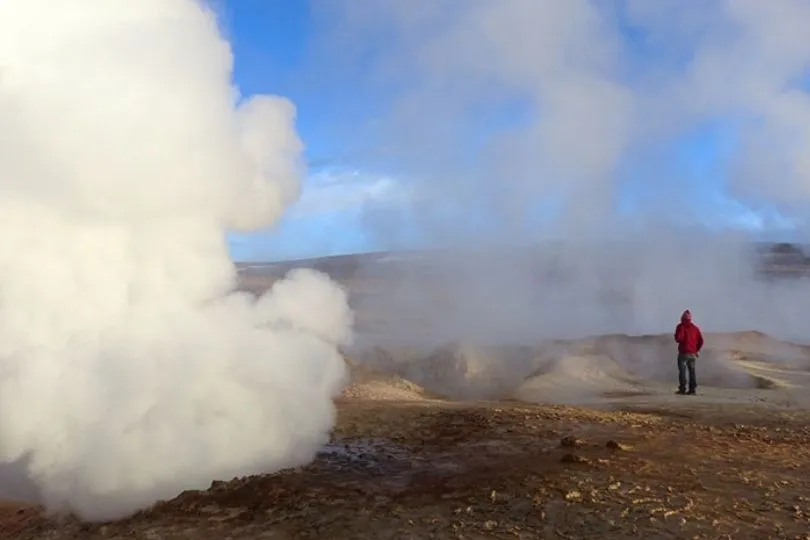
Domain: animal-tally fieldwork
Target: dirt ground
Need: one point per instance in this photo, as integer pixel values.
(436, 469)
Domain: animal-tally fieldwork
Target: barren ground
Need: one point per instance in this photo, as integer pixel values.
(435, 469)
(640, 462)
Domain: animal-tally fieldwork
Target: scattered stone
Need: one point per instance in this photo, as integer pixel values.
(401, 492)
(573, 495)
(571, 442)
(574, 458)
(616, 445)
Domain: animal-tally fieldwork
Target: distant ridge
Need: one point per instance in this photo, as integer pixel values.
(772, 259)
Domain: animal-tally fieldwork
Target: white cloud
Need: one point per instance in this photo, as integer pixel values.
(598, 97)
(336, 190)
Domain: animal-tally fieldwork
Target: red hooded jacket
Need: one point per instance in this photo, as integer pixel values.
(688, 335)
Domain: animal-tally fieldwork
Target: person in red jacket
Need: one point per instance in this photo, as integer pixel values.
(690, 341)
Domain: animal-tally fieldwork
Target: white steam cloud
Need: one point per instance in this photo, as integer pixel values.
(128, 369)
(522, 121)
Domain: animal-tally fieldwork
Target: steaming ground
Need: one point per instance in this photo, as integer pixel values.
(129, 372)
(581, 438)
(400, 354)
(744, 367)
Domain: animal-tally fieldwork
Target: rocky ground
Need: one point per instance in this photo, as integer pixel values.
(436, 469)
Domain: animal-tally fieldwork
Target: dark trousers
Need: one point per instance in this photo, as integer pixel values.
(686, 364)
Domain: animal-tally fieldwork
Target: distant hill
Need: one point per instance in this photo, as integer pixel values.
(770, 258)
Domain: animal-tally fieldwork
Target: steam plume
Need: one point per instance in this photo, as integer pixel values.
(522, 121)
(128, 371)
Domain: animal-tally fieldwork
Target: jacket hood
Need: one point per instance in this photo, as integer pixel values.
(686, 317)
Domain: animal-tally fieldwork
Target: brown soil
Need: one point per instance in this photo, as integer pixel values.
(502, 470)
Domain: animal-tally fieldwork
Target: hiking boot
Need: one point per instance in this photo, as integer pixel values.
(691, 393)
(681, 392)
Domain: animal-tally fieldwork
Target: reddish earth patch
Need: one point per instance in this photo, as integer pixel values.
(495, 470)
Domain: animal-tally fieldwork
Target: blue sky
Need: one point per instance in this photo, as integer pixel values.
(270, 42)
(348, 181)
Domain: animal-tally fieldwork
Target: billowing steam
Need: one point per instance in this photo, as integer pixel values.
(619, 139)
(594, 167)
(128, 371)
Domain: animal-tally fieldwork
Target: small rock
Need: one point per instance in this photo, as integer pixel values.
(573, 495)
(616, 445)
(489, 525)
(571, 442)
(574, 458)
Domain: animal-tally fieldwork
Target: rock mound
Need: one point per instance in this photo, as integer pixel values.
(369, 384)
(578, 379)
